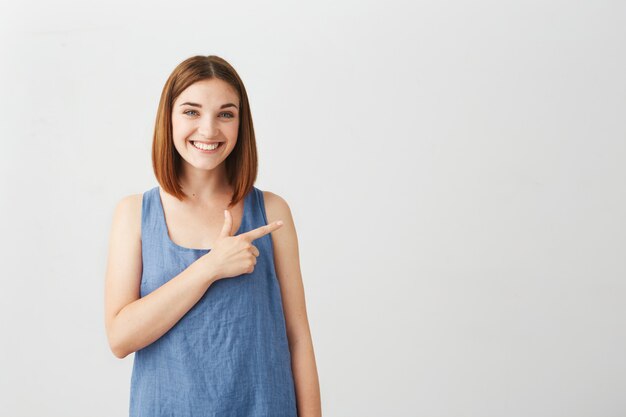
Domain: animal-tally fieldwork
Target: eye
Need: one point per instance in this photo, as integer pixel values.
(195, 113)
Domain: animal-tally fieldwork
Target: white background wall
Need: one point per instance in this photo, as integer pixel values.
(455, 170)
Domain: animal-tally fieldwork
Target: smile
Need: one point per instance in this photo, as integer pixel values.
(206, 147)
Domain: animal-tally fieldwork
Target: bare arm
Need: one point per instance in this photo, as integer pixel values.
(287, 263)
(133, 322)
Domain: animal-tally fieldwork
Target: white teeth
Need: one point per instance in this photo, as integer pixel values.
(205, 146)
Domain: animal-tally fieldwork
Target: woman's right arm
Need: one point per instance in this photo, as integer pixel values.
(133, 322)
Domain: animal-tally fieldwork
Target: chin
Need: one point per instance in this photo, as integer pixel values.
(206, 167)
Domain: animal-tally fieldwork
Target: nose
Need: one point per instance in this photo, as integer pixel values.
(207, 127)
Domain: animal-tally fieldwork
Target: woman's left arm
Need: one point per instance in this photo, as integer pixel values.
(287, 263)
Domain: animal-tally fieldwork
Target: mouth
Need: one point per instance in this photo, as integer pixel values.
(206, 147)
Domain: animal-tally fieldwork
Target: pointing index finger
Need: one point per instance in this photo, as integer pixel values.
(262, 231)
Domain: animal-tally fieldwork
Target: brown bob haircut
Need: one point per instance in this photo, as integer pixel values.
(241, 163)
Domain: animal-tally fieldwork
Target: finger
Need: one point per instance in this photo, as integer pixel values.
(262, 231)
(255, 251)
(228, 224)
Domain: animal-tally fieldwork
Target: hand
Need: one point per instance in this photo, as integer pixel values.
(236, 255)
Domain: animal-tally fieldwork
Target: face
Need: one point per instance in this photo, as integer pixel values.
(204, 114)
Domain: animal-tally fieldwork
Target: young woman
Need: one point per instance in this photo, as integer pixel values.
(203, 279)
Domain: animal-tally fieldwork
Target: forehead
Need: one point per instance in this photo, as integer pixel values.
(211, 92)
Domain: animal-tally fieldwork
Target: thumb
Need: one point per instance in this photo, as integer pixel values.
(228, 224)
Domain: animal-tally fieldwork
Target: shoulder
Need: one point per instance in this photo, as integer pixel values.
(128, 204)
(127, 213)
(285, 238)
(276, 207)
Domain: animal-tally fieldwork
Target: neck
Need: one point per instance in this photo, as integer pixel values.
(202, 186)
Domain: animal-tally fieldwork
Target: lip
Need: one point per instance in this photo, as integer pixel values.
(208, 143)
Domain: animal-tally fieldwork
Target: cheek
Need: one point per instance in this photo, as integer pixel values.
(180, 132)
(175, 128)
(233, 131)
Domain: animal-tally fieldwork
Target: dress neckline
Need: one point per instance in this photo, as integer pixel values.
(166, 230)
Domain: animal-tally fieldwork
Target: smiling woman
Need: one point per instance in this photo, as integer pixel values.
(201, 126)
(205, 100)
(217, 320)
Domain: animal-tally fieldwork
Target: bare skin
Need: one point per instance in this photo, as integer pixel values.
(200, 221)
(287, 263)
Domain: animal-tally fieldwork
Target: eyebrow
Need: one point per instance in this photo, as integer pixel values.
(223, 106)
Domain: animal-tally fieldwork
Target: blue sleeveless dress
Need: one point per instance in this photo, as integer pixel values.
(228, 356)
